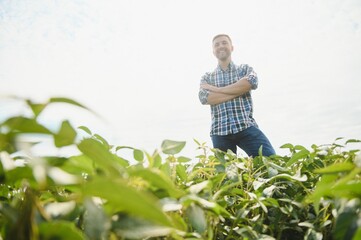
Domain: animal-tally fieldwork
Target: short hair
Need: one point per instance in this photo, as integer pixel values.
(221, 35)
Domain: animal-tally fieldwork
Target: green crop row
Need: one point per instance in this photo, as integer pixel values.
(98, 194)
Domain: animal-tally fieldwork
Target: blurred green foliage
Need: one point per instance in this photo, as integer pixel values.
(98, 194)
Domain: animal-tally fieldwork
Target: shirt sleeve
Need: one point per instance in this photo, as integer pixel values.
(203, 93)
(252, 76)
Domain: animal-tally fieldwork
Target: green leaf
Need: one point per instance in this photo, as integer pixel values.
(157, 159)
(26, 125)
(197, 188)
(5, 142)
(237, 192)
(181, 172)
(299, 147)
(54, 161)
(311, 234)
(65, 136)
(102, 140)
(96, 223)
(197, 218)
(277, 167)
(287, 145)
(306, 224)
(350, 177)
(138, 155)
(18, 174)
(346, 224)
(268, 192)
(322, 189)
(357, 234)
(119, 195)
(158, 179)
(172, 147)
(353, 141)
(85, 129)
(197, 142)
(220, 156)
(183, 159)
(336, 168)
(67, 100)
(123, 147)
(165, 168)
(78, 165)
(347, 190)
(220, 168)
(297, 156)
(130, 227)
(212, 206)
(35, 107)
(9, 213)
(255, 197)
(100, 155)
(154, 160)
(61, 230)
(271, 202)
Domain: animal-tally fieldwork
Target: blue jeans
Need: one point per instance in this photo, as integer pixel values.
(249, 140)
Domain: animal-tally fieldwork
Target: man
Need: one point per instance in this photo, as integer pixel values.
(228, 91)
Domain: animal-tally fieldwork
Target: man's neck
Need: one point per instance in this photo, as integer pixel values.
(224, 64)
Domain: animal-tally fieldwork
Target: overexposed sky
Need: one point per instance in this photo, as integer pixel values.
(138, 64)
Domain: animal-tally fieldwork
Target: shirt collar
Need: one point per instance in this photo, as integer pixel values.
(231, 66)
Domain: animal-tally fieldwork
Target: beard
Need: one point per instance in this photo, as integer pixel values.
(223, 55)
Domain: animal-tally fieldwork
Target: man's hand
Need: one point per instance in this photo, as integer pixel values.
(209, 87)
(215, 96)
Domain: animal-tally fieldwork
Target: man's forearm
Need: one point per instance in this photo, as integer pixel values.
(215, 98)
(238, 88)
(219, 95)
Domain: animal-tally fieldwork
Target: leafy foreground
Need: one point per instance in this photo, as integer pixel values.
(97, 194)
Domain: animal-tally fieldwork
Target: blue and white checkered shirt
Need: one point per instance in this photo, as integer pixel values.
(237, 114)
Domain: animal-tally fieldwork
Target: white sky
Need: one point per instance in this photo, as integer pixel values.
(138, 64)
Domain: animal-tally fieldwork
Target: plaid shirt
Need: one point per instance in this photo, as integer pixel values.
(237, 114)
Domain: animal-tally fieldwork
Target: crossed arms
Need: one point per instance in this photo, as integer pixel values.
(219, 95)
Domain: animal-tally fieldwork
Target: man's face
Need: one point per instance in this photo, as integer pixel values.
(222, 48)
